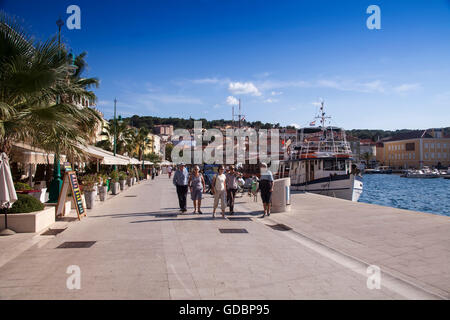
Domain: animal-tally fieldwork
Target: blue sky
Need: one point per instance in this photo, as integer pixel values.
(194, 58)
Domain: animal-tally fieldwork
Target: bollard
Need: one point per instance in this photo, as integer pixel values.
(281, 195)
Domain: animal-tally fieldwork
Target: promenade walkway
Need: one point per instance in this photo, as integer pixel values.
(145, 249)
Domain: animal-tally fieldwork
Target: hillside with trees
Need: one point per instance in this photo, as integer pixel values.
(149, 122)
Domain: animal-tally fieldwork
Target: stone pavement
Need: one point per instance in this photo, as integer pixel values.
(143, 252)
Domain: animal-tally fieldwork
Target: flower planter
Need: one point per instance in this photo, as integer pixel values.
(129, 182)
(90, 198)
(103, 191)
(29, 222)
(122, 184)
(115, 188)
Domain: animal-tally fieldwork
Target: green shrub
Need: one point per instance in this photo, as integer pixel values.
(114, 176)
(122, 175)
(88, 182)
(26, 203)
(20, 186)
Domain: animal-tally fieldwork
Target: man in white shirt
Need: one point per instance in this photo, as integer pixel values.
(219, 190)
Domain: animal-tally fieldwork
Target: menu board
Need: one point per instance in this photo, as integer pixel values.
(70, 180)
(76, 193)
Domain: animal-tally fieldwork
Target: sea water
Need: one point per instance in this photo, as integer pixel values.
(425, 195)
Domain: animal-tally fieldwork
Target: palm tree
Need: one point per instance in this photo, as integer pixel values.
(141, 142)
(38, 94)
(123, 137)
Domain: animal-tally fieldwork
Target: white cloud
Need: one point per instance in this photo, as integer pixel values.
(232, 100)
(276, 93)
(295, 125)
(243, 88)
(270, 100)
(407, 87)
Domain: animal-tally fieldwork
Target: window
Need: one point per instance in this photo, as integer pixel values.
(426, 145)
(334, 165)
(438, 145)
(410, 146)
(432, 146)
(439, 155)
(426, 155)
(410, 156)
(414, 155)
(432, 155)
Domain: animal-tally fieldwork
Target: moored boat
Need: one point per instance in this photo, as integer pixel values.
(322, 163)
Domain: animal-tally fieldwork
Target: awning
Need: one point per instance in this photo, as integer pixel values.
(105, 157)
(149, 163)
(24, 153)
(165, 163)
(135, 161)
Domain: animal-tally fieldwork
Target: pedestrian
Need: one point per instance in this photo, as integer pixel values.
(219, 190)
(254, 188)
(180, 180)
(196, 185)
(266, 188)
(232, 186)
(153, 172)
(169, 171)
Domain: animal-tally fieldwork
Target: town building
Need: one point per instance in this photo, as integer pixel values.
(416, 149)
(163, 129)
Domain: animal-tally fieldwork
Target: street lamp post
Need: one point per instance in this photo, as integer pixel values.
(56, 183)
(115, 132)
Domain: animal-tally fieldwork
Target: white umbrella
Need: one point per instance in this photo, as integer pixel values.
(7, 191)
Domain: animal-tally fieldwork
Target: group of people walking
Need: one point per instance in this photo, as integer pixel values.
(224, 188)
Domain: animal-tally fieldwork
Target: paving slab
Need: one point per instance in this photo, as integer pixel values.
(141, 254)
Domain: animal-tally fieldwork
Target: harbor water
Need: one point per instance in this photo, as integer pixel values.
(425, 195)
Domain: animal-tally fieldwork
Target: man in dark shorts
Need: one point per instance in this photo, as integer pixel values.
(266, 188)
(232, 186)
(180, 180)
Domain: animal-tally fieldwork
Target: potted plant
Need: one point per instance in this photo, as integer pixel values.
(28, 214)
(141, 175)
(131, 175)
(89, 187)
(115, 187)
(103, 188)
(122, 179)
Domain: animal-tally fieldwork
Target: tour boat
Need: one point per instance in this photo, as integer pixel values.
(321, 162)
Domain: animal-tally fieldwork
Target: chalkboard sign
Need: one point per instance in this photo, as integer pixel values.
(70, 179)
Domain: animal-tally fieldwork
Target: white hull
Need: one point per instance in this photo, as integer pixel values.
(348, 189)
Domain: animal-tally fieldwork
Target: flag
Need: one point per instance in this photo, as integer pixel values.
(312, 123)
(243, 118)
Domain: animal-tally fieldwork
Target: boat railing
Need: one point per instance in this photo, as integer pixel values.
(311, 147)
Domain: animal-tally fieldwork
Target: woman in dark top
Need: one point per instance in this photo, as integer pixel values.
(266, 188)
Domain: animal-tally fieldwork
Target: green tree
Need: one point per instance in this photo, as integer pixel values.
(39, 93)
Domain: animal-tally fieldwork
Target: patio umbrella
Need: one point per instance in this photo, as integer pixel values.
(7, 191)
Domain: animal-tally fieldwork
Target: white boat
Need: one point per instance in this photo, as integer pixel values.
(322, 163)
(445, 174)
(425, 173)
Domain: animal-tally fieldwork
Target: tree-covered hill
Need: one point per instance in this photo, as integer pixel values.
(149, 122)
